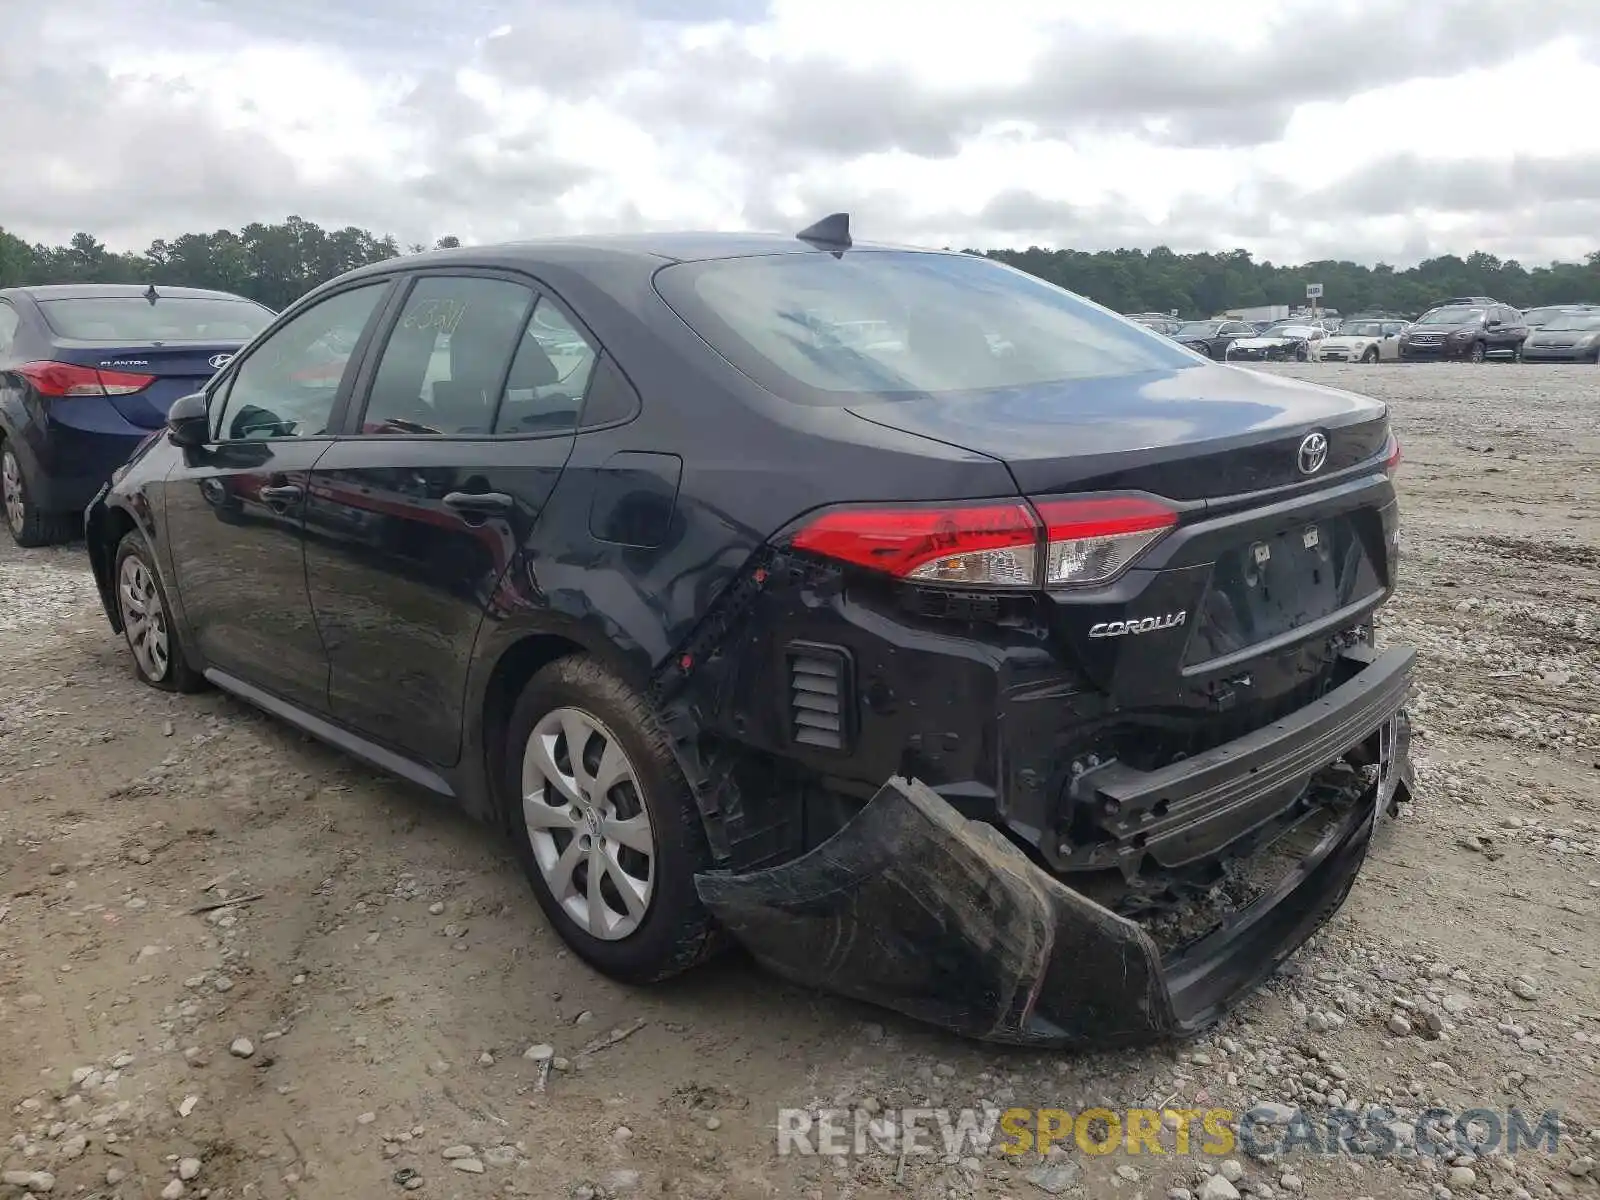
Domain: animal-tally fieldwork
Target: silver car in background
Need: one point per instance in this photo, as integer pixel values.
(1573, 336)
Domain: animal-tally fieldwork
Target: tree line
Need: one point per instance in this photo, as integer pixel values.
(275, 263)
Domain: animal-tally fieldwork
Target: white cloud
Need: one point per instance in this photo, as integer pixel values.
(1369, 129)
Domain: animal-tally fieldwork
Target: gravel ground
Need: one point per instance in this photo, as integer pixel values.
(381, 1007)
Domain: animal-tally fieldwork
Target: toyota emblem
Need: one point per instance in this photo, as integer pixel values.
(1313, 453)
(217, 361)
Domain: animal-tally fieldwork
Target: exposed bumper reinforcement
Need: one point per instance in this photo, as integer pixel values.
(915, 908)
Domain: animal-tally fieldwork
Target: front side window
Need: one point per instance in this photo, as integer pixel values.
(445, 360)
(288, 384)
(822, 329)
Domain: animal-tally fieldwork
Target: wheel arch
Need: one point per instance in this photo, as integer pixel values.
(103, 532)
(513, 657)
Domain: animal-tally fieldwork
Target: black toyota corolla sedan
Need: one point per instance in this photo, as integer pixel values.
(943, 638)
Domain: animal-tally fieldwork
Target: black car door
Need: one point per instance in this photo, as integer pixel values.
(417, 512)
(233, 509)
(1513, 330)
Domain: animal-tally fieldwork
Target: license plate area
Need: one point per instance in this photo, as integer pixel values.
(1272, 585)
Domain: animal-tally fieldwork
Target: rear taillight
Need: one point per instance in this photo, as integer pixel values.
(70, 379)
(1391, 455)
(990, 544)
(1060, 542)
(1093, 539)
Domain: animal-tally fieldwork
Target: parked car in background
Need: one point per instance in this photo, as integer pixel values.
(1160, 322)
(1472, 328)
(87, 371)
(1212, 338)
(1363, 341)
(1574, 336)
(1538, 318)
(1284, 341)
(935, 662)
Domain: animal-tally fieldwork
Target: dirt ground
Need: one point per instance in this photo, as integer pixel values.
(390, 971)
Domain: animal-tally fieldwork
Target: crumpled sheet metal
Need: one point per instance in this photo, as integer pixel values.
(913, 907)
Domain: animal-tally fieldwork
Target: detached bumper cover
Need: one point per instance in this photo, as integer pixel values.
(915, 908)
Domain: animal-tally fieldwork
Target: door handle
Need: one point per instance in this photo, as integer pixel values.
(479, 503)
(284, 494)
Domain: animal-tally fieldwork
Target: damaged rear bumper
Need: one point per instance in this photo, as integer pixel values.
(915, 908)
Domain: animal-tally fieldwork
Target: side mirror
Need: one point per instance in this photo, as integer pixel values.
(188, 423)
(1492, 323)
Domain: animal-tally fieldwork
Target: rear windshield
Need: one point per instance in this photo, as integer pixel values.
(169, 319)
(825, 329)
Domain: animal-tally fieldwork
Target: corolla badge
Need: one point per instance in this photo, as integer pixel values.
(1136, 625)
(217, 361)
(1313, 453)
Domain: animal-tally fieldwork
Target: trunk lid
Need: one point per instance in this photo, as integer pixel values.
(1199, 433)
(179, 369)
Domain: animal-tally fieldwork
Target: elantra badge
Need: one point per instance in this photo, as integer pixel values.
(1108, 629)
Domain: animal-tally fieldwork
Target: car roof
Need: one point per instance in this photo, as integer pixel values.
(646, 250)
(118, 291)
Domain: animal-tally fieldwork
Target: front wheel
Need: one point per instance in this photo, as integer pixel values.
(147, 621)
(1371, 356)
(604, 823)
(1476, 353)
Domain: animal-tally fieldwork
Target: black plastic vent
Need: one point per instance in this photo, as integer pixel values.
(820, 689)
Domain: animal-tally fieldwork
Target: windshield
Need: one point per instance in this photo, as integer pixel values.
(1361, 329)
(1543, 316)
(1299, 331)
(169, 319)
(824, 329)
(1457, 314)
(1198, 329)
(1572, 321)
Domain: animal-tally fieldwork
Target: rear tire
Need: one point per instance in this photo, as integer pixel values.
(29, 527)
(608, 832)
(147, 621)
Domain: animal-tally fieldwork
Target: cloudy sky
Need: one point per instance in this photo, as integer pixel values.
(1368, 129)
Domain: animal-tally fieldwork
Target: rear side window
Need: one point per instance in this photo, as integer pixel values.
(549, 376)
(168, 319)
(9, 320)
(825, 329)
(445, 360)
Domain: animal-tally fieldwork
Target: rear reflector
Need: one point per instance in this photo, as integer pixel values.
(70, 379)
(1059, 542)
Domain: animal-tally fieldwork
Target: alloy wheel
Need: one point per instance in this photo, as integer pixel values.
(144, 618)
(591, 835)
(11, 486)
